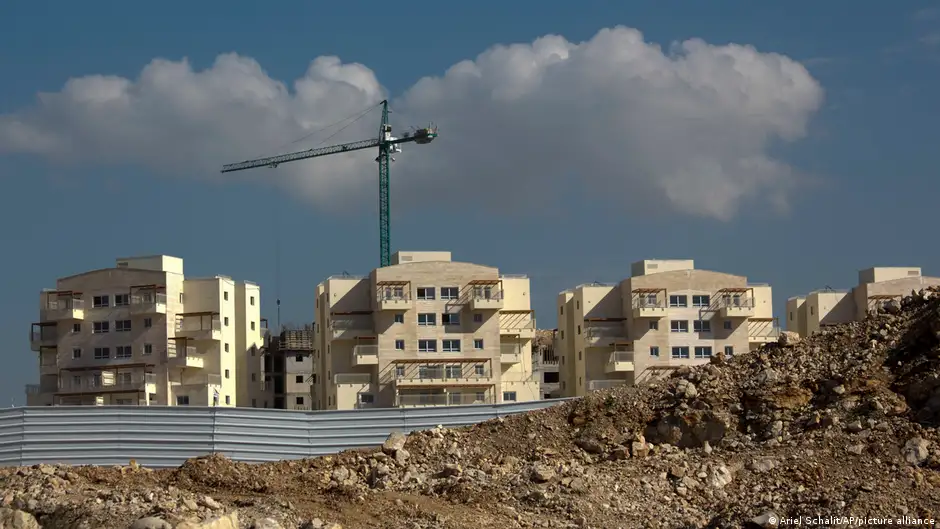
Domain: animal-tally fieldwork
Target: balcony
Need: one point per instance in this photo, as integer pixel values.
(393, 295)
(649, 307)
(363, 379)
(736, 306)
(146, 383)
(603, 334)
(32, 389)
(206, 326)
(594, 385)
(184, 356)
(459, 375)
(441, 399)
(197, 381)
(762, 330)
(510, 353)
(365, 355)
(352, 328)
(620, 362)
(486, 298)
(62, 309)
(517, 323)
(43, 335)
(148, 303)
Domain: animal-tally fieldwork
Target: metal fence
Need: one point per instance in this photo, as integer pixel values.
(162, 436)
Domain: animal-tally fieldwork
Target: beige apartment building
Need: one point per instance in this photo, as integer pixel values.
(142, 334)
(876, 286)
(665, 315)
(425, 331)
(288, 370)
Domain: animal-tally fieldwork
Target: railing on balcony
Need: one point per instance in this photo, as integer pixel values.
(196, 325)
(44, 333)
(346, 324)
(175, 351)
(735, 302)
(620, 356)
(366, 352)
(443, 399)
(459, 373)
(64, 304)
(393, 294)
(119, 383)
(643, 302)
(486, 294)
(32, 389)
(352, 378)
(147, 300)
(604, 384)
(764, 333)
(198, 380)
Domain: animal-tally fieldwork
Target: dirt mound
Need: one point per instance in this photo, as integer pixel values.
(840, 424)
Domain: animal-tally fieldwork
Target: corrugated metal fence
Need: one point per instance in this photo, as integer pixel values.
(159, 436)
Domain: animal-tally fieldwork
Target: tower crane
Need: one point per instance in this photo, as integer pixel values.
(387, 145)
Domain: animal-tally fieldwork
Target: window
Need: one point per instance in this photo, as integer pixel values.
(399, 345)
(550, 377)
(399, 318)
(122, 300)
(148, 349)
(299, 379)
(654, 325)
(251, 301)
(254, 377)
(562, 334)
(124, 379)
(479, 370)
(181, 297)
(478, 343)
(148, 323)
(254, 403)
(122, 326)
(228, 399)
(561, 310)
(427, 346)
(225, 321)
(226, 347)
(102, 353)
(182, 400)
(299, 401)
(702, 326)
(427, 319)
(100, 301)
(579, 330)
(226, 373)
(76, 352)
(399, 371)
(701, 301)
(426, 293)
(477, 318)
(678, 301)
(76, 328)
(366, 398)
(703, 352)
(679, 326)
(680, 352)
(450, 346)
(123, 351)
(299, 358)
(727, 325)
(450, 293)
(480, 396)
(101, 327)
(654, 351)
(729, 350)
(509, 396)
(450, 319)
(453, 371)
(225, 296)
(252, 325)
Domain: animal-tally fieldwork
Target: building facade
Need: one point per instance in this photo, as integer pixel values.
(141, 333)
(425, 331)
(665, 315)
(876, 286)
(545, 363)
(288, 370)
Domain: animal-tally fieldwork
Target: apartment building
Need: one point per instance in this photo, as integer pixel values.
(545, 363)
(876, 286)
(665, 315)
(424, 331)
(288, 370)
(142, 334)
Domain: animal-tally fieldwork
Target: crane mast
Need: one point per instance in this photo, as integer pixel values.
(387, 145)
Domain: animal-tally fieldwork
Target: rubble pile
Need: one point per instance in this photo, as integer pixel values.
(843, 423)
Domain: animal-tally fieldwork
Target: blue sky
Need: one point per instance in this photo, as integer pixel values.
(865, 151)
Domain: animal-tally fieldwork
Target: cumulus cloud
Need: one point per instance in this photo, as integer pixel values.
(690, 128)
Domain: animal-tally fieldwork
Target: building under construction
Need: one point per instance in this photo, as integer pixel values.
(288, 368)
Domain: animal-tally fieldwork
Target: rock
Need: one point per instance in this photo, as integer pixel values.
(590, 445)
(766, 520)
(149, 522)
(788, 338)
(541, 473)
(394, 442)
(228, 521)
(916, 451)
(17, 519)
(266, 523)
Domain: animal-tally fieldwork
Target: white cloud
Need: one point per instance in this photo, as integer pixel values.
(690, 128)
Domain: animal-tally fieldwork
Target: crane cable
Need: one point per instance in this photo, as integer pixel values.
(317, 131)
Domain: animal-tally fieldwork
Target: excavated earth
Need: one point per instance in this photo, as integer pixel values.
(838, 427)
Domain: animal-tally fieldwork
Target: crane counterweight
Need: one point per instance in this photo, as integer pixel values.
(387, 145)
